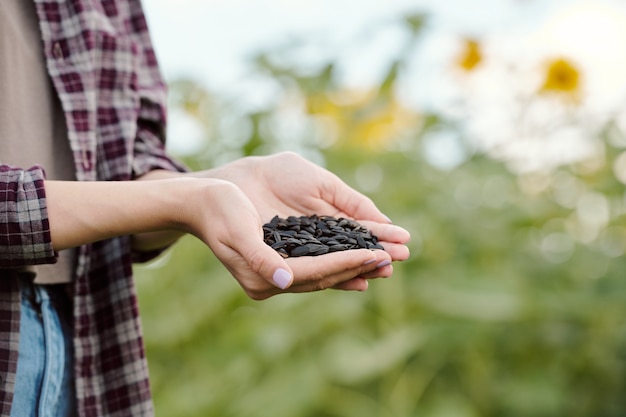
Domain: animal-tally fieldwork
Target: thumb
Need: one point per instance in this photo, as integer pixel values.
(243, 252)
(282, 277)
(268, 263)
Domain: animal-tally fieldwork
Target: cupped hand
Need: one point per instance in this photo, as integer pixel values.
(222, 216)
(287, 184)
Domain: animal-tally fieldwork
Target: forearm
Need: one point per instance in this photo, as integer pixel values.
(84, 212)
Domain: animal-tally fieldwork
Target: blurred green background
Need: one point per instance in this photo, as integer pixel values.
(513, 300)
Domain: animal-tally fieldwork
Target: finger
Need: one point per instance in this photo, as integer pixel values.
(354, 284)
(349, 201)
(392, 238)
(382, 272)
(384, 269)
(327, 271)
(387, 232)
(398, 252)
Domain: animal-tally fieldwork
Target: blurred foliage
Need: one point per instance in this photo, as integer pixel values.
(512, 304)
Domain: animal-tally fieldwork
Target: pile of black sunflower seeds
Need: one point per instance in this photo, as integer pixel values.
(316, 235)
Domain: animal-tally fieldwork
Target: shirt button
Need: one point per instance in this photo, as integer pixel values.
(57, 51)
(86, 163)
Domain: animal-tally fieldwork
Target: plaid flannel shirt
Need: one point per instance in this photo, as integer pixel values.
(102, 64)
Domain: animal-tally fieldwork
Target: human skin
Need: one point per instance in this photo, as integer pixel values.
(225, 208)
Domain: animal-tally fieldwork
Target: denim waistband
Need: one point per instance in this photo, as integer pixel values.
(55, 293)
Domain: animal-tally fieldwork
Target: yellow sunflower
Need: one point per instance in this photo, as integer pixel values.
(365, 119)
(471, 55)
(561, 77)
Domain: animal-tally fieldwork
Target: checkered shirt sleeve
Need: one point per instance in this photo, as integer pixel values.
(24, 227)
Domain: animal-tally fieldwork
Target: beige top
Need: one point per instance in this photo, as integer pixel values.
(32, 125)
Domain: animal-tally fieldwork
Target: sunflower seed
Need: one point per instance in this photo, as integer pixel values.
(316, 235)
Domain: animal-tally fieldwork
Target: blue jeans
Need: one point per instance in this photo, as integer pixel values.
(44, 385)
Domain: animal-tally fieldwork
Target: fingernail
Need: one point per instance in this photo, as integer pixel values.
(369, 261)
(384, 263)
(281, 278)
(388, 219)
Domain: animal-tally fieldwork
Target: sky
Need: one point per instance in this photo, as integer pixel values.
(212, 40)
(210, 37)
